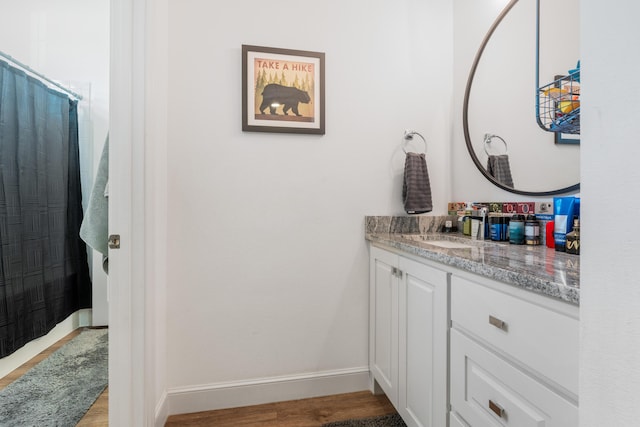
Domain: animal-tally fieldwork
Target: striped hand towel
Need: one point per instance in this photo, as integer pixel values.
(416, 189)
(498, 167)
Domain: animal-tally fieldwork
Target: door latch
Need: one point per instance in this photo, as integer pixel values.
(114, 241)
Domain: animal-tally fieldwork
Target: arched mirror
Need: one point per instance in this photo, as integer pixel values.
(499, 109)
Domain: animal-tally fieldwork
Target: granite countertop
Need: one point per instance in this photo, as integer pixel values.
(535, 268)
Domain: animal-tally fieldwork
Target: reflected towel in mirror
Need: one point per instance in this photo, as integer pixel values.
(416, 188)
(498, 167)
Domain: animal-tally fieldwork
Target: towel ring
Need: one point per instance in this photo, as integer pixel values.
(487, 140)
(408, 136)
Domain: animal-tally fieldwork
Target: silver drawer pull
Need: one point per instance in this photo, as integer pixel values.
(497, 323)
(497, 409)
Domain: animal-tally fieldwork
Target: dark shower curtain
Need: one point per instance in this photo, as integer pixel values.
(44, 274)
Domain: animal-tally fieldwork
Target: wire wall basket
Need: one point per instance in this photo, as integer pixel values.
(558, 104)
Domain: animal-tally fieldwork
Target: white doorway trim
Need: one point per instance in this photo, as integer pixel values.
(128, 375)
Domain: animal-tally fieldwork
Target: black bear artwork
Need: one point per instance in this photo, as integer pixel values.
(275, 95)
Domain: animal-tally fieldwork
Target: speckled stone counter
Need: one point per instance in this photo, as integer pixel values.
(535, 268)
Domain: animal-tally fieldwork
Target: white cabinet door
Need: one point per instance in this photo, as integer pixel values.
(408, 349)
(456, 421)
(383, 321)
(423, 326)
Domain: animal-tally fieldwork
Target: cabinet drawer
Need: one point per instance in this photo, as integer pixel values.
(544, 340)
(488, 391)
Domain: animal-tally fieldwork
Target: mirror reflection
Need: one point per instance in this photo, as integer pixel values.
(503, 131)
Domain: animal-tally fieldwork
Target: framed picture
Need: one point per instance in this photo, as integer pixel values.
(566, 138)
(574, 91)
(282, 90)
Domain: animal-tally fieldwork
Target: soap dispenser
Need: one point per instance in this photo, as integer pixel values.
(573, 238)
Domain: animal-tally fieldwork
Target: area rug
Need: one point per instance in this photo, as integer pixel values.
(59, 390)
(393, 420)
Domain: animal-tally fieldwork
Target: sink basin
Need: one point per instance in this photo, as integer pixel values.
(448, 244)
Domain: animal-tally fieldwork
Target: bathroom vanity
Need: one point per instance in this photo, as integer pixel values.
(471, 333)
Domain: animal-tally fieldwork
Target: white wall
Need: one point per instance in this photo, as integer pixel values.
(502, 98)
(610, 291)
(267, 263)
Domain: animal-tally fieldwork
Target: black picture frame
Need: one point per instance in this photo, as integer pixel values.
(282, 90)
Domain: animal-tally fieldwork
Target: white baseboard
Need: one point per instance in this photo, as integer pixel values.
(184, 400)
(162, 411)
(13, 361)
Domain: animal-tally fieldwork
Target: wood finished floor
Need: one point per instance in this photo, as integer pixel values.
(296, 413)
(97, 416)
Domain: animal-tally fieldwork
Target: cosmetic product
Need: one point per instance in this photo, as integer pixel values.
(496, 227)
(563, 212)
(466, 226)
(549, 237)
(475, 228)
(573, 238)
(531, 231)
(505, 228)
(516, 230)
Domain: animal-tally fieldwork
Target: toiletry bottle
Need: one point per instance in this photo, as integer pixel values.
(549, 237)
(505, 228)
(495, 226)
(563, 213)
(516, 230)
(573, 238)
(475, 228)
(532, 231)
(484, 227)
(467, 225)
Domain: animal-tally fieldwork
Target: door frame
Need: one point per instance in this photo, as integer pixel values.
(129, 379)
